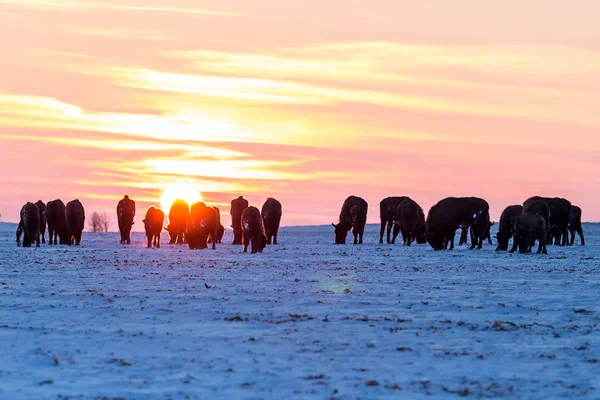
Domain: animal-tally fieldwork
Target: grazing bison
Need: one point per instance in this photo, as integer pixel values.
(445, 217)
(253, 230)
(466, 229)
(533, 207)
(559, 215)
(271, 215)
(125, 215)
(75, 221)
(42, 209)
(506, 227)
(237, 208)
(153, 224)
(178, 217)
(203, 222)
(388, 209)
(353, 216)
(56, 217)
(575, 225)
(531, 227)
(409, 220)
(29, 225)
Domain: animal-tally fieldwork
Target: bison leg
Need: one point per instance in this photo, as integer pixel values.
(44, 237)
(395, 233)
(389, 231)
(383, 223)
(246, 241)
(572, 238)
(19, 233)
(580, 232)
(149, 241)
(275, 238)
(157, 241)
(463, 236)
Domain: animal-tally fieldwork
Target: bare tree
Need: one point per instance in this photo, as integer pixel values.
(99, 222)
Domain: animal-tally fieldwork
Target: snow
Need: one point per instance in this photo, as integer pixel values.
(304, 319)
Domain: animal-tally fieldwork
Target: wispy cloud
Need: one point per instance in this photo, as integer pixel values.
(85, 5)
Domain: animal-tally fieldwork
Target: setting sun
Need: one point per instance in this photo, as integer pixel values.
(187, 192)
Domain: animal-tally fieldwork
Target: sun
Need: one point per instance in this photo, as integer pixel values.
(189, 193)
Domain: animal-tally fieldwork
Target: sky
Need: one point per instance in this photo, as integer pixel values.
(307, 102)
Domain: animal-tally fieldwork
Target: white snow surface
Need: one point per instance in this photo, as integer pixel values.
(304, 319)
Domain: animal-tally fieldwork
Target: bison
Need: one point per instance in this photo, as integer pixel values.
(42, 209)
(75, 221)
(253, 230)
(388, 209)
(271, 215)
(220, 228)
(409, 220)
(203, 222)
(531, 227)
(533, 207)
(466, 229)
(237, 208)
(353, 216)
(178, 217)
(56, 217)
(153, 225)
(575, 225)
(125, 215)
(29, 226)
(445, 217)
(506, 227)
(559, 216)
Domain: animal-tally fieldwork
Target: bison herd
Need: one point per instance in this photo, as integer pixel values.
(540, 219)
(65, 224)
(198, 225)
(543, 220)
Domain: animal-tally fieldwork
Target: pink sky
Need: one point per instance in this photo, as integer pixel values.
(307, 102)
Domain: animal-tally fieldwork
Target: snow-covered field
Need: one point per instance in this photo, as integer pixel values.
(304, 319)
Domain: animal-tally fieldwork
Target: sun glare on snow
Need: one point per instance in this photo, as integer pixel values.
(189, 193)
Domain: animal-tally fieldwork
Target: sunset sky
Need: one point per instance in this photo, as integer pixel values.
(305, 101)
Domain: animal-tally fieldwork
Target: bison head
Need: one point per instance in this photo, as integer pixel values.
(436, 240)
(503, 238)
(341, 231)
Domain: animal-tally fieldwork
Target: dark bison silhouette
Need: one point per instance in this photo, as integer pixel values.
(253, 230)
(445, 217)
(178, 217)
(153, 225)
(42, 209)
(466, 229)
(531, 227)
(75, 221)
(353, 216)
(29, 225)
(410, 221)
(575, 224)
(203, 222)
(220, 227)
(125, 215)
(388, 210)
(559, 216)
(237, 208)
(271, 215)
(522, 226)
(56, 216)
(506, 226)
